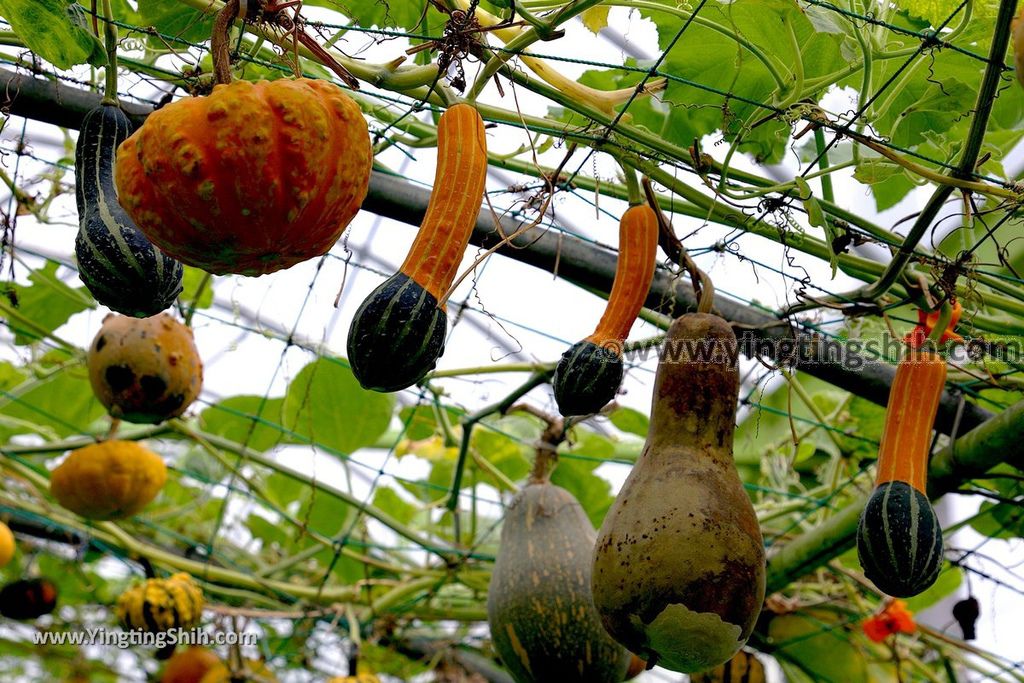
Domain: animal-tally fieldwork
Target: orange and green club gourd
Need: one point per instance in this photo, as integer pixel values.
(253, 178)
(899, 539)
(398, 332)
(589, 374)
(108, 480)
(144, 370)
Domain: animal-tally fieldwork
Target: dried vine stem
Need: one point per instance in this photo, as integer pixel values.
(703, 288)
(546, 453)
(219, 42)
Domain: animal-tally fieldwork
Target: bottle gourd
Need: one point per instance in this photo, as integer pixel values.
(590, 372)
(899, 540)
(539, 607)
(398, 332)
(679, 565)
(120, 267)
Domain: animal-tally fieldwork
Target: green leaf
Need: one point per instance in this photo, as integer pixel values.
(816, 641)
(63, 402)
(936, 12)
(326, 404)
(248, 420)
(267, 531)
(191, 283)
(593, 492)
(386, 13)
(949, 580)
(55, 30)
(387, 500)
(632, 421)
(1002, 521)
(707, 54)
(45, 305)
(283, 490)
(175, 19)
(506, 454)
(595, 18)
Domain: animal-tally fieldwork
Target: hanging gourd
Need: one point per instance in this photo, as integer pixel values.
(398, 332)
(539, 607)
(144, 370)
(590, 372)
(254, 177)
(899, 539)
(28, 599)
(679, 564)
(161, 604)
(7, 545)
(120, 267)
(108, 480)
(189, 665)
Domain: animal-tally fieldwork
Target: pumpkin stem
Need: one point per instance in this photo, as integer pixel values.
(219, 42)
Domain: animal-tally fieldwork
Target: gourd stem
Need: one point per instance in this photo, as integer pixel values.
(945, 316)
(219, 42)
(110, 41)
(633, 191)
(703, 289)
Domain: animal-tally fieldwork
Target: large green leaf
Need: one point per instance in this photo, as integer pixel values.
(176, 20)
(709, 67)
(325, 404)
(43, 306)
(593, 492)
(384, 13)
(249, 420)
(55, 30)
(62, 402)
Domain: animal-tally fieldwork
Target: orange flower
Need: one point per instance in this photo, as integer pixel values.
(926, 323)
(895, 618)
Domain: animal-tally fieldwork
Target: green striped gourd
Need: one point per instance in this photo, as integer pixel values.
(122, 269)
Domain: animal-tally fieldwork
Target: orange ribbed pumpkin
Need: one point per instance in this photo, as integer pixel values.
(253, 178)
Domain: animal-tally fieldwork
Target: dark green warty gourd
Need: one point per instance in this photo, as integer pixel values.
(121, 268)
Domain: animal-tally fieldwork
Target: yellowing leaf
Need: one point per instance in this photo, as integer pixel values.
(595, 18)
